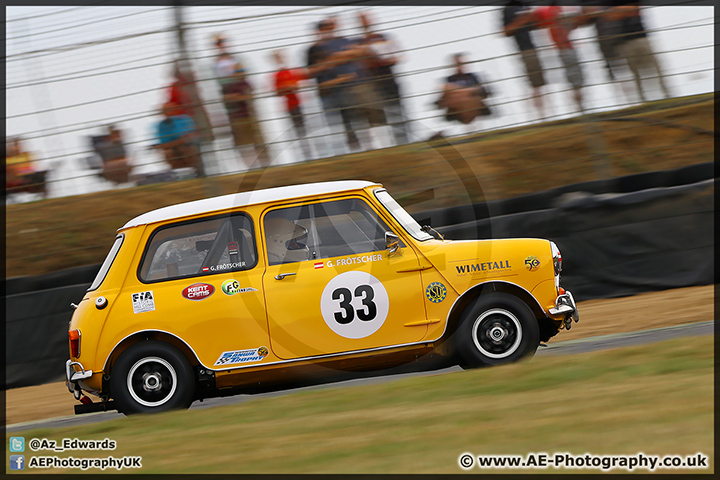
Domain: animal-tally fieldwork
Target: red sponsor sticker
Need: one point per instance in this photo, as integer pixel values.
(233, 248)
(198, 291)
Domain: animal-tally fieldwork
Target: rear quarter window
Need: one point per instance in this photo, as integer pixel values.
(202, 247)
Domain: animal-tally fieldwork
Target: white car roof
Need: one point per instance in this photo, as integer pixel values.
(234, 200)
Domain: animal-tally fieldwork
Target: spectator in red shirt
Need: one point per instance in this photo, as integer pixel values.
(560, 26)
(287, 82)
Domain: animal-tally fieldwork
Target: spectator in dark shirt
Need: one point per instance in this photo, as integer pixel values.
(634, 45)
(518, 23)
(237, 95)
(607, 31)
(342, 82)
(463, 94)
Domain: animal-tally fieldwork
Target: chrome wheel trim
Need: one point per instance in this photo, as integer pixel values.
(169, 370)
(503, 321)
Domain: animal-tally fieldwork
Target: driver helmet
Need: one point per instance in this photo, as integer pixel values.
(285, 241)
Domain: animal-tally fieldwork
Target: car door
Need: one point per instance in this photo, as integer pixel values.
(331, 284)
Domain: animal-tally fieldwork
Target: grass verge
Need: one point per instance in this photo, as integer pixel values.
(656, 399)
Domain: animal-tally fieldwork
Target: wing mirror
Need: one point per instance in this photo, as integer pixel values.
(392, 242)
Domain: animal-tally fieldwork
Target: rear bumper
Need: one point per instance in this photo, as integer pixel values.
(565, 306)
(72, 377)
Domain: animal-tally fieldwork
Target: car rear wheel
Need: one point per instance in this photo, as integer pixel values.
(151, 376)
(498, 328)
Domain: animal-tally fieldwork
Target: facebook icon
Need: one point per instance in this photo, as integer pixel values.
(17, 462)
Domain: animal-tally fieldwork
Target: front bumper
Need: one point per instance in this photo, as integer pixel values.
(565, 305)
(72, 377)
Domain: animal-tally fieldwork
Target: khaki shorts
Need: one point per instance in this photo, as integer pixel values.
(369, 104)
(533, 68)
(246, 131)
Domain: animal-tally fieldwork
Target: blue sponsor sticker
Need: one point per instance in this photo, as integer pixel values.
(436, 292)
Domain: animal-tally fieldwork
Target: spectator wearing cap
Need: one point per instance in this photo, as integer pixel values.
(518, 23)
(634, 46)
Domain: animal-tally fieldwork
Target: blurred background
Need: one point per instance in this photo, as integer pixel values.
(86, 86)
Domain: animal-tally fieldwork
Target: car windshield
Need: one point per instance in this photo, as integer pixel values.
(403, 218)
(106, 264)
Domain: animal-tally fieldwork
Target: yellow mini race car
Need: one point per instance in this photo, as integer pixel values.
(235, 293)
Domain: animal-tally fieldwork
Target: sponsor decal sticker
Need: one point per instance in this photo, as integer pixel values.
(242, 356)
(233, 248)
(198, 291)
(479, 268)
(436, 292)
(319, 265)
(143, 302)
(532, 263)
(232, 287)
(340, 262)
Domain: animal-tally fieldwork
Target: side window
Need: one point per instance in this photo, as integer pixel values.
(323, 230)
(206, 247)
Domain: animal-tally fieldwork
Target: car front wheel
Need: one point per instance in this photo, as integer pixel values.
(498, 328)
(151, 376)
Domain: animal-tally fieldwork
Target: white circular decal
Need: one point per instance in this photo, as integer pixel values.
(354, 304)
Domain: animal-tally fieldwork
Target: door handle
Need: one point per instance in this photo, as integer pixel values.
(280, 276)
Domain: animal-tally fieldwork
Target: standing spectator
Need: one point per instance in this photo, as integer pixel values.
(518, 23)
(178, 140)
(342, 82)
(607, 31)
(237, 95)
(183, 93)
(560, 26)
(634, 46)
(287, 82)
(463, 94)
(225, 63)
(382, 58)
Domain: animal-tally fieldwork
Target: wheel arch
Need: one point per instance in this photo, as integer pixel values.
(470, 295)
(158, 335)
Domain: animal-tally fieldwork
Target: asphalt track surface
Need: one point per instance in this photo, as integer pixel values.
(570, 347)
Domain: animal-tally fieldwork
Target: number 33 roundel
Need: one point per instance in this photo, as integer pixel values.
(354, 304)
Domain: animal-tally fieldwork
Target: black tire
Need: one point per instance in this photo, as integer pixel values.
(498, 328)
(151, 376)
